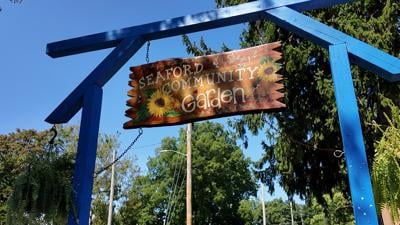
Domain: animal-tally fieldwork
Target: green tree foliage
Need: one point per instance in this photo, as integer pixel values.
(336, 210)
(386, 166)
(21, 154)
(25, 159)
(250, 212)
(277, 212)
(300, 140)
(221, 179)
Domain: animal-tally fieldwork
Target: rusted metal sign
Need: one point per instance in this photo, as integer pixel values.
(179, 91)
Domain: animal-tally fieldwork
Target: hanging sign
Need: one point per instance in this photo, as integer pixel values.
(179, 91)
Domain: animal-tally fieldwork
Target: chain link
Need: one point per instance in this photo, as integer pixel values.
(120, 156)
(148, 52)
(137, 137)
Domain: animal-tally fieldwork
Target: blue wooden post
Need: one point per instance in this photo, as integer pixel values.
(357, 167)
(86, 155)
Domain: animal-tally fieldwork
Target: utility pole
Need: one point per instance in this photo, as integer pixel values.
(110, 204)
(291, 212)
(263, 204)
(189, 175)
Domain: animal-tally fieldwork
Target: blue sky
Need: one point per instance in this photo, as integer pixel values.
(32, 84)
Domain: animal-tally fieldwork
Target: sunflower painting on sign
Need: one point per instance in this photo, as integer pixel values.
(179, 91)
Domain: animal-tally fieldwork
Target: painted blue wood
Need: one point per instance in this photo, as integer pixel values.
(361, 53)
(89, 93)
(182, 25)
(99, 76)
(356, 160)
(364, 55)
(86, 155)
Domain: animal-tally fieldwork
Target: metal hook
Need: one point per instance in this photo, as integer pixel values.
(338, 153)
(54, 130)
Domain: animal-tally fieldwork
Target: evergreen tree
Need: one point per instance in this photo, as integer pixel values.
(300, 141)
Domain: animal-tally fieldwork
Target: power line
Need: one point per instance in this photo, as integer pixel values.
(179, 194)
(175, 185)
(149, 145)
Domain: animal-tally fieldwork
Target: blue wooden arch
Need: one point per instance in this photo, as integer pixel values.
(343, 49)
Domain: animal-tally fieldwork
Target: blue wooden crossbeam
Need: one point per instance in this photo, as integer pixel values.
(362, 54)
(129, 40)
(99, 76)
(182, 25)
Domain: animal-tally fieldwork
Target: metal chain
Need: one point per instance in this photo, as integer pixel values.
(55, 133)
(137, 137)
(148, 52)
(120, 156)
